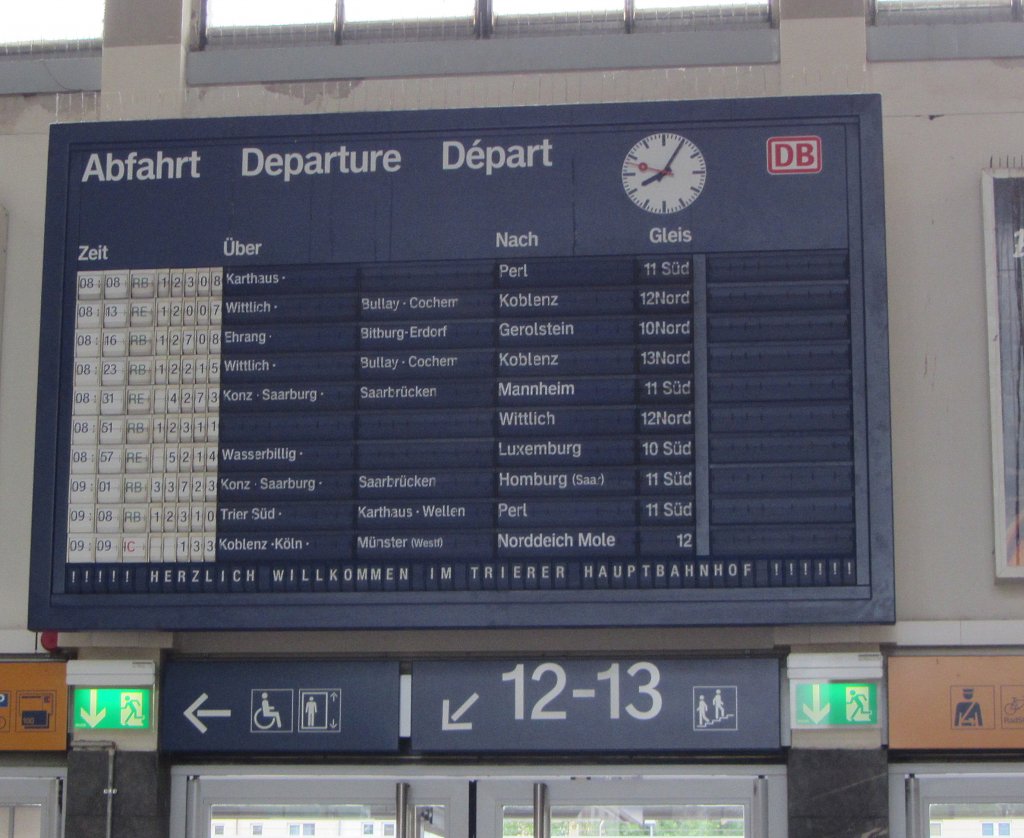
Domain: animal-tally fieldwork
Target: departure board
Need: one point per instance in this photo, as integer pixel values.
(618, 365)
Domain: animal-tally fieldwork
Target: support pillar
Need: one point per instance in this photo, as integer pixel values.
(841, 793)
(139, 796)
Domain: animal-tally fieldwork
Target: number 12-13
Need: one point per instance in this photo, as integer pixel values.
(647, 690)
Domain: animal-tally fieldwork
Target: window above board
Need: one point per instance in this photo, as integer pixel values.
(339, 21)
(236, 42)
(927, 30)
(52, 26)
(51, 45)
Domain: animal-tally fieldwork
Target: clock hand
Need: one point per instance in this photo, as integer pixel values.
(644, 167)
(668, 166)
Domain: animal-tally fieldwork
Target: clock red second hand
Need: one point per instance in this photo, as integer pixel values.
(644, 167)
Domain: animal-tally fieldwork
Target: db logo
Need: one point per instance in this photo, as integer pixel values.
(794, 155)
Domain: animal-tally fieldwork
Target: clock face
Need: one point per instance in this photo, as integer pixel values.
(664, 173)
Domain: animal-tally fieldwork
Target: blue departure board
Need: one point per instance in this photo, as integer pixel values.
(618, 365)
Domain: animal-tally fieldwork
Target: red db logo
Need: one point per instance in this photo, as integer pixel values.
(794, 155)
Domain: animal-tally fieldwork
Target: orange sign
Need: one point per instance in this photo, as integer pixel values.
(956, 702)
(33, 707)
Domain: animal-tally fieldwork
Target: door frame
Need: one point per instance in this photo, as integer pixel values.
(760, 787)
(195, 789)
(913, 787)
(36, 786)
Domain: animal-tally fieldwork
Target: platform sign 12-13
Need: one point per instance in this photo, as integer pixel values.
(583, 705)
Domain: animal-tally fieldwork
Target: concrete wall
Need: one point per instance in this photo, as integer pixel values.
(22, 193)
(944, 122)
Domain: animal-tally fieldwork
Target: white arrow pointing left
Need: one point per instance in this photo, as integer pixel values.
(194, 714)
(450, 720)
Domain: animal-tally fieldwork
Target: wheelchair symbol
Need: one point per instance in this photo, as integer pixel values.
(271, 711)
(266, 717)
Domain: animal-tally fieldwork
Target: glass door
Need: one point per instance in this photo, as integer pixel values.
(30, 806)
(521, 801)
(21, 821)
(643, 804)
(957, 801)
(306, 802)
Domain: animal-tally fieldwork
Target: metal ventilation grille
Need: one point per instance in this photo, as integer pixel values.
(512, 18)
(403, 20)
(284, 34)
(941, 11)
(79, 46)
(425, 29)
(662, 15)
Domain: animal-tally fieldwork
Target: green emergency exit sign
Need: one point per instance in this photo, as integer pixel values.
(112, 709)
(828, 704)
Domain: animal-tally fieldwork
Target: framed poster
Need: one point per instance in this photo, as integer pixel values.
(1003, 193)
(583, 366)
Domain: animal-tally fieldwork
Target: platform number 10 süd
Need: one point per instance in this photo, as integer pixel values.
(641, 688)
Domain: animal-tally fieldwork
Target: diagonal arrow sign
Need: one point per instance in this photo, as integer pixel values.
(816, 713)
(194, 714)
(450, 720)
(91, 717)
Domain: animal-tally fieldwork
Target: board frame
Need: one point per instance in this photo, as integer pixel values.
(871, 600)
(1003, 270)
